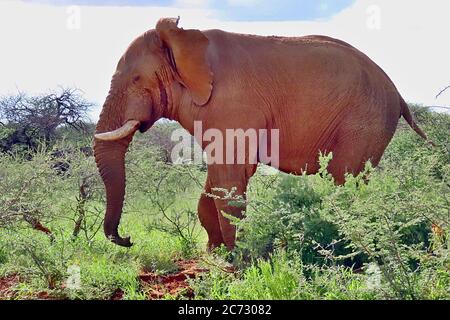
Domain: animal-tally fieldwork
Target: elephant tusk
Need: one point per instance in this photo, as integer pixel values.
(124, 131)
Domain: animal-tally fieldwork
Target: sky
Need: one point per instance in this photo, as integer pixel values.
(237, 10)
(77, 43)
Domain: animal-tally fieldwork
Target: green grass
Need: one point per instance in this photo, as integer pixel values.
(304, 237)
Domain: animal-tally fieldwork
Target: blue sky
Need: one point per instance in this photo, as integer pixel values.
(238, 10)
(408, 42)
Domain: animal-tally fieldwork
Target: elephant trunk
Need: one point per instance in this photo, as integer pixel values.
(110, 159)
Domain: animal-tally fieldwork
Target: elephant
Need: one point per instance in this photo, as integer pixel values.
(320, 93)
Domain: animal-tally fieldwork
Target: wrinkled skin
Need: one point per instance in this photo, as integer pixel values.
(321, 93)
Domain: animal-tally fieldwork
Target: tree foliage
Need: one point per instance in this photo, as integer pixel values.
(26, 120)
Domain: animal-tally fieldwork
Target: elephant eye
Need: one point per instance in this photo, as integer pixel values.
(136, 79)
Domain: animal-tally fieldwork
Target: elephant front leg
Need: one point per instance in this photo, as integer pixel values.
(228, 229)
(229, 186)
(209, 219)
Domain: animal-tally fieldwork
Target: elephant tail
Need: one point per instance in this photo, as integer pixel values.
(407, 115)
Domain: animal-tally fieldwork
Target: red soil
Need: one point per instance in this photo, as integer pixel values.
(7, 285)
(8, 290)
(117, 295)
(175, 284)
(157, 286)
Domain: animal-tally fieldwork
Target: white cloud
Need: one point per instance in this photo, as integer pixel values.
(242, 3)
(191, 3)
(38, 51)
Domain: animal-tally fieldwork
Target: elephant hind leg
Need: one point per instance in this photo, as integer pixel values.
(209, 219)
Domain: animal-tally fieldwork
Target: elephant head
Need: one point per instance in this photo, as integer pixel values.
(156, 70)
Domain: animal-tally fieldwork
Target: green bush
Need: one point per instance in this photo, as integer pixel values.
(282, 277)
(290, 216)
(25, 187)
(169, 193)
(383, 219)
(382, 235)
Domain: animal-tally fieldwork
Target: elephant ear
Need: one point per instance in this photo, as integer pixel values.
(188, 55)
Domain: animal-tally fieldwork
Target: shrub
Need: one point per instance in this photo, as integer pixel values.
(290, 217)
(393, 219)
(282, 277)
(168, 190)
(25, 187)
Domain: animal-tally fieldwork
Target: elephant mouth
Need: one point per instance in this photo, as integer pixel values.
(145, 125)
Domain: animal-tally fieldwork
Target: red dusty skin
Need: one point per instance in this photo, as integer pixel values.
(110, 158)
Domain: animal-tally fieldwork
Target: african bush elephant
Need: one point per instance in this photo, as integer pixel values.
(321, 94)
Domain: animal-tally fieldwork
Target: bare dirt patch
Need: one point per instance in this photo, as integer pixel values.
(117, 295)
(175, 284)
(7, 285)
(156, 286)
